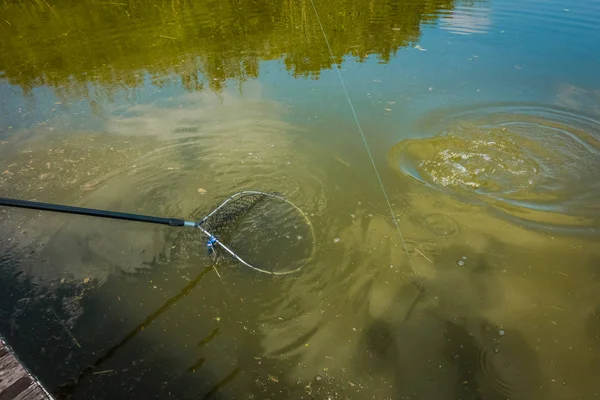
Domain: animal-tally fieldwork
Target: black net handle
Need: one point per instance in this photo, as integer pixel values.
(36, 205)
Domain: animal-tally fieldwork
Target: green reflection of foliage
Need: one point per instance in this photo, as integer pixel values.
(67, 44)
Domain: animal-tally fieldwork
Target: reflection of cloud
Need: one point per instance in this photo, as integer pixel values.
(467, 20)
(222, 145)
(199, 114)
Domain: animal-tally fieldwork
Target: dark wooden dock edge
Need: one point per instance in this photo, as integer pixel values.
(16, 382)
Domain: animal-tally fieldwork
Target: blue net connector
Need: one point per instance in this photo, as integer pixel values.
(210, 244)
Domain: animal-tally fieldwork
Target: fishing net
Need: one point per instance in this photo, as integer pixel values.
(263, 231)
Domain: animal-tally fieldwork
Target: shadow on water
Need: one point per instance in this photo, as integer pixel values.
(162, 377)
(435, 332)
(446, 348)
(489, 364)
(27, 304)
(68, 388)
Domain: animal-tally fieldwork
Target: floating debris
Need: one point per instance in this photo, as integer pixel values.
(106, 371)
(501, 332)
(337, 240)
(422, 255)
(202, 191)
(347, 164)
(460, 263)
(418, 47)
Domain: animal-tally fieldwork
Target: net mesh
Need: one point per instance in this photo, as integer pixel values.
(264, 230)
(224, 221)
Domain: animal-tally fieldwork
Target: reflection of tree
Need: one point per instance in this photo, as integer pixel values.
(66, 43)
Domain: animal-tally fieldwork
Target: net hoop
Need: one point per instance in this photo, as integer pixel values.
(215, 241)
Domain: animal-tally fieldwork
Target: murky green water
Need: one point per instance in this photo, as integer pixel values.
(482, 119)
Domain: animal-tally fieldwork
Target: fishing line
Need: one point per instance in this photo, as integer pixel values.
(362, 134)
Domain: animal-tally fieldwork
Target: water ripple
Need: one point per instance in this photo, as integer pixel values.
(195, 154)
(535, 165)
(467, 20)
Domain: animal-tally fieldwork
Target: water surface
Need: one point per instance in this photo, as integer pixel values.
(482, 120)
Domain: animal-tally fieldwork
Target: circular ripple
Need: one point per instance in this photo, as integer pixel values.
(510, 369)
(440, 225)
(492, 364)
(534, 164)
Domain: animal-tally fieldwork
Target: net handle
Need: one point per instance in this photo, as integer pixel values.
(238, 258)
(37, 205)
